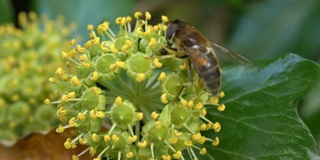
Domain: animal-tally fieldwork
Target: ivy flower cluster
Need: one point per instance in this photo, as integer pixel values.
(120, 80)
(27, 57)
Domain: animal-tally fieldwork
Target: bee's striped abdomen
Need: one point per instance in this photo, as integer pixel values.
(208, 69)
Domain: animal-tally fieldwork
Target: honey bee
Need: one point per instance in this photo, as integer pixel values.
(201, 52)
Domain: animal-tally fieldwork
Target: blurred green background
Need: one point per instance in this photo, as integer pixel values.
(258, 29)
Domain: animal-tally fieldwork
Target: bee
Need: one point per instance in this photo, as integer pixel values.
(201, 52)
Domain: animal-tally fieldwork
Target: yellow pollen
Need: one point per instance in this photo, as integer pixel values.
(118, 20)
(148, 31)
(154, 115)
(129, 43)
(88, 44)
(164, 28)
(137, 14)
(81, 49)
(141, 77)
(64, 55)
(106, 138)
(203, 112)
(190, 104)
(128, 19)
(184, 66)
(113, 67)
(139, 31)
(115, 138)
(148, 15)
(162, 76)
(64, 98)
(164, 19)
(177, 133)
(95, 137)
(47, 101)
(155, 28)
(60, 129)
(83, 58)
(203, 151)
(59, 71)
(164, 98)
(74, 157)
(83, 141)
(183, 102)
(124, 48)
(129, 155)
(73, 145)
(140, 116)
(166, 157)
(74, 81)
(177, 155)
(173, 140)
(157, 63)
(132, 138)
(96, 40)
(216, 127)
(71, 94)
(196, 136)
(142, 144)
(73, 42)
(63, 77)
(81, 116)
(118, 101)
(214, 100)
(216, 141)
(222, 94)
(158, 124)
(95, 76)
(103, 46)
(221, 108)
(67, 145)
(95, 90)
(209, 125)
(113, 49)
(202, 140)
(198, 105)
(85, 64)
(123, 21)
(121, 64)
(203, 127)
(92, 115)
(100, 114)
(152, 42)
(72, 53)
(188, 143)
(90, 27)
(92, 151)
(52, 80)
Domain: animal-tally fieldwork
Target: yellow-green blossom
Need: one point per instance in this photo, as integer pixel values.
(28, 57)
(122, 79)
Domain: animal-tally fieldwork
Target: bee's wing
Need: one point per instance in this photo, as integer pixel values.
(228, 54)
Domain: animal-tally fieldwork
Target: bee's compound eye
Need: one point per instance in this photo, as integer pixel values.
(173, 27)
(171, 30)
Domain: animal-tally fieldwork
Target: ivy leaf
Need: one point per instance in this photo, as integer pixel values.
(261, 119)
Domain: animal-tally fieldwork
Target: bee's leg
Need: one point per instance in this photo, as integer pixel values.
(186, 84)
(190, 72)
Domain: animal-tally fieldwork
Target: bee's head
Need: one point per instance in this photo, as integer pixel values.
(172, 28)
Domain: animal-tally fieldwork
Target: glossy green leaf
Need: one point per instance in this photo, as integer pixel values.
(261, 119)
